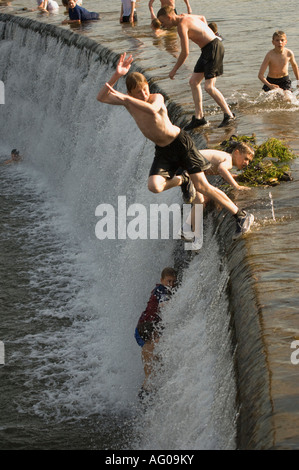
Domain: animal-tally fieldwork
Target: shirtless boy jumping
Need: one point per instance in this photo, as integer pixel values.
(278, 60)
(209, 66)
(174, 147)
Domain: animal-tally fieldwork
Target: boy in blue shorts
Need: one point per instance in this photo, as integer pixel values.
(149, 327)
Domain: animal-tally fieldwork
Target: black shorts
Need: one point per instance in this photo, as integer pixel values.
(181, 153)
(283, 82)
(211, 60)
(126, 19)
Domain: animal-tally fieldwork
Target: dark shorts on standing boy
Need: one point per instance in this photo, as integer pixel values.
(211, 60)
(284, 83)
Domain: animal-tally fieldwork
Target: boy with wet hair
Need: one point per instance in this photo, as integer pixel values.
(149, 329)
(277, 61)
(174, 147)
(221, 162)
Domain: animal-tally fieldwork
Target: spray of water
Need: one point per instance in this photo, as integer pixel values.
(272, 206)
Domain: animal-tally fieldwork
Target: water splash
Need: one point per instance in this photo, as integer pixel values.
(272, 206)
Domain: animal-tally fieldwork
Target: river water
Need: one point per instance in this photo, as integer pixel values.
(83, 392)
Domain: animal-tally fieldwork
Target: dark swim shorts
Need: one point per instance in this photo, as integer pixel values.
(181, 153)
(211, 60)
(283, 82)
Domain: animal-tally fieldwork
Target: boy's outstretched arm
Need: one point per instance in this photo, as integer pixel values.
(151, 9)
(261, 74)
(183, 35)
(227, 176)
(189, 9)
(122, 69)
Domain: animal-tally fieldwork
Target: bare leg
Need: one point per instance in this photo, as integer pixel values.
(157, 183)
(204, 187)
(195, 84)
(148, 358)
(211, 89)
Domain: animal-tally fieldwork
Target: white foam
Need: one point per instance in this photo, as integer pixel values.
(90, 293)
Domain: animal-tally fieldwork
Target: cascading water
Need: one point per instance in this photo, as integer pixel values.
(82, 360)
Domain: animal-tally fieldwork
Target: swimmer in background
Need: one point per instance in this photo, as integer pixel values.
(165, 3)
(214, 28)
(79, 14)
(156, 27)
(47, 6)
(128, 12)
(15, 158)
(278, 60)
(65, 3)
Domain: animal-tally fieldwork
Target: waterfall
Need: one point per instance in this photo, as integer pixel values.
(82, 154)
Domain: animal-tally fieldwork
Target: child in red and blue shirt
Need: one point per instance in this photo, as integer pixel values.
(149, 327)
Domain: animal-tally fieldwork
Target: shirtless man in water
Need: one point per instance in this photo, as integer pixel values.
(174, 147)
(165, 3)
(278, 60)
(208, 67)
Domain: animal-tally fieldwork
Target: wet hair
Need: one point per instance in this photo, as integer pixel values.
(134, 79)
(156, 24)
(168, 272)
(165, 11)
(243, 148)
(279, 34)
(213, 26)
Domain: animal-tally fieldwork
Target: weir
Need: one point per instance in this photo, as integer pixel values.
(214, 331)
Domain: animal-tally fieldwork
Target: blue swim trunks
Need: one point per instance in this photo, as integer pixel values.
(138, 338)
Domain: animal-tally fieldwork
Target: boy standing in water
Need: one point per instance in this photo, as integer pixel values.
(209, 66)
(148, 329)
(278, 60)
(174, 147)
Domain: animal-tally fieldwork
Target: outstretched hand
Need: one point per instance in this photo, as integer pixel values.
(124, 64)
(115, 93)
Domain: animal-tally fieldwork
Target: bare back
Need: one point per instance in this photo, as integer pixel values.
(216, 157)
(155, 126)
(198, 31)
